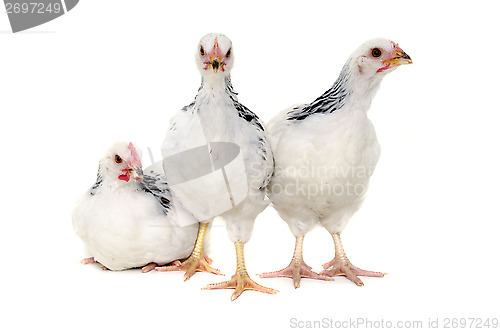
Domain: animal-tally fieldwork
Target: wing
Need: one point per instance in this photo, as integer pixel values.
(268, 156)
(264, 148)
(156, 185)
(188, 109)
(183, 133)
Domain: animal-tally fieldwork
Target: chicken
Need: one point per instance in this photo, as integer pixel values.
(128, 219)
(213, 132)
(325, 153)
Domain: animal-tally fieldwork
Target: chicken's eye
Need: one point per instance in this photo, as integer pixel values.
(202, 51)
(228, 53)
(118, 159)
(376, 52)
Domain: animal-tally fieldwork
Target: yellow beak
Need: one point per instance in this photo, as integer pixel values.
(401, 59)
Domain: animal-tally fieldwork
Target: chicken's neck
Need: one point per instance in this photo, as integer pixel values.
(332, 100)
(214, 83)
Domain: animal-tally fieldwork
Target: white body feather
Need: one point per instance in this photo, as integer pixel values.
(323, 166)
(125, 227)
(215, 111)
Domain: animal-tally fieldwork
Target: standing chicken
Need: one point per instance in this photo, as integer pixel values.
(127, 219)
(216, 119)
(325, 153)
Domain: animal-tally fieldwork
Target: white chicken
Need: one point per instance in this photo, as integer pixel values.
(128, 219)
(325, 153)
(219, 131)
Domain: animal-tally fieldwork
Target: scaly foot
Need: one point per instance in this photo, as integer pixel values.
(240, 282)
(348, 270)
(341, 266)
(297, 268)
(191, 265)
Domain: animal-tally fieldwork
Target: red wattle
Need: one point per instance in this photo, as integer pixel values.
(125, 177)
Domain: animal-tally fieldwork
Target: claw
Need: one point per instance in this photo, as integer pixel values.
(197, 262)
(240, 282)
(341, 266)
(191, 265)
(297, 269)
(348, 270)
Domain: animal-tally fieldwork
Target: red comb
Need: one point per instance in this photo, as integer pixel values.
(134, 158)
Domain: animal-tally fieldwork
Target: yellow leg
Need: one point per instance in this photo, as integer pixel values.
(197, 262)
(297, 268)
(341, 266)
(241, 281)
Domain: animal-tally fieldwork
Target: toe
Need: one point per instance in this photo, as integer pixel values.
(149, 267)
(219, 285)
(89, 260)
(281, 273)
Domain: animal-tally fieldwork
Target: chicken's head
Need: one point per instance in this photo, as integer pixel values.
(377, 57)
(214, 55)
(122, 161)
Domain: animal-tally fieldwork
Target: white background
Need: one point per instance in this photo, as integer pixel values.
(118, 70)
